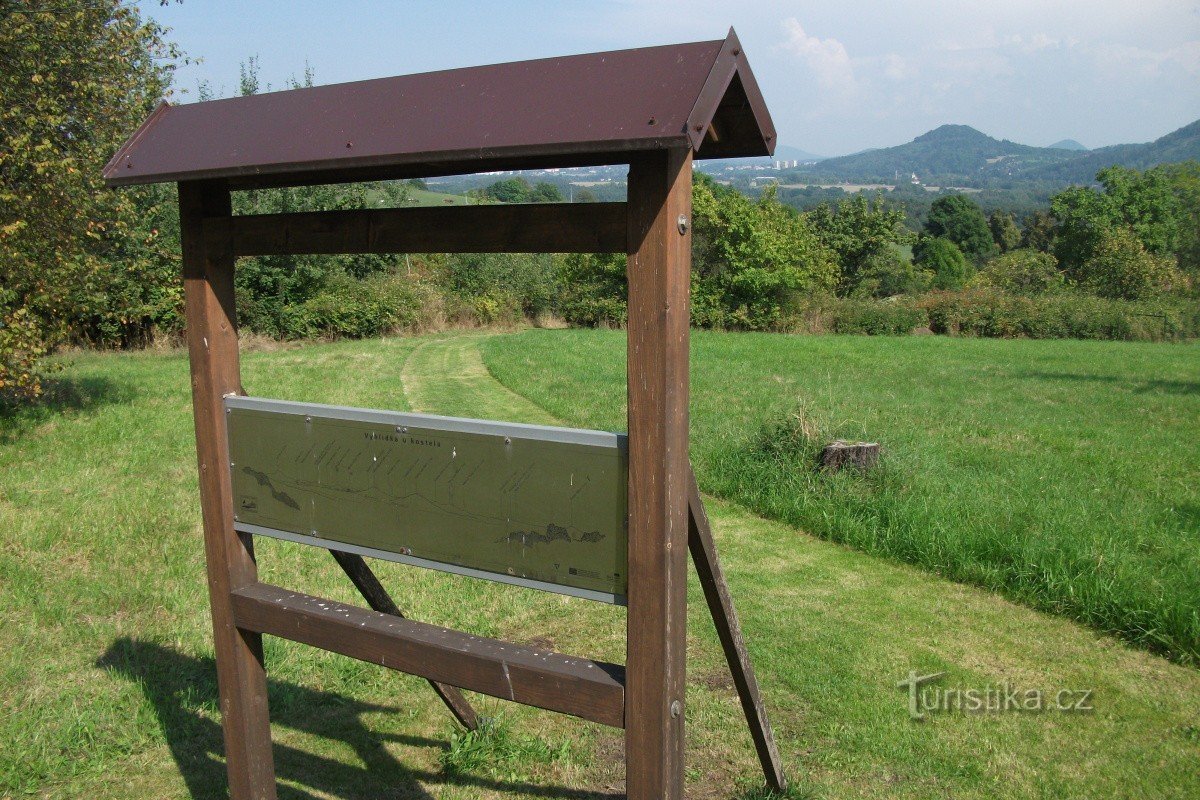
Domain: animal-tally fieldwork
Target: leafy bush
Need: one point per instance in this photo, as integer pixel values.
(894, 316)
(1022, 272)
(21, 347)
(889, 273)
(944, 260)
(348, 307)
(1068, 315)
(1120, 267)
(751, 258)
(594, 289)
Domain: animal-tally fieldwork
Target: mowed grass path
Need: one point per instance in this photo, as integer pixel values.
(108, 685)
(1064, 474)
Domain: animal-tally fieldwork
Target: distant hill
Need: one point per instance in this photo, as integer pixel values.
(1067, 144)
(786, 153)
(1180, 145)
(959, 155)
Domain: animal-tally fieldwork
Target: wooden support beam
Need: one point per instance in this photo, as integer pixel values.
(720, 604)
(377, 597)
(532, 228)
(213, 353)
(660, 195)
(593, 690)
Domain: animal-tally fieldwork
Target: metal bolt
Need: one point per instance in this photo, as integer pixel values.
(507, 440)
(676, 709)
(652, 121)
(235, 518)
(308, 419)
(683, 224)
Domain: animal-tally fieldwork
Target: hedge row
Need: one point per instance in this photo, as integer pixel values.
(993, 313)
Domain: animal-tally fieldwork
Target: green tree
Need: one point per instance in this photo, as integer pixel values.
(1038, 233)
(509, 190)
(1121, 267)
(863, 233)
(751, 259)
(944, 260)
(891, 273)
(957, 218)
(89, 264)
(1143, 202)
(1184, 180)
(545, 193)
(1023, 271)
(1005, 232)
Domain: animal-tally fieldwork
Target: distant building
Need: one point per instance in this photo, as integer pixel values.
(914, 180)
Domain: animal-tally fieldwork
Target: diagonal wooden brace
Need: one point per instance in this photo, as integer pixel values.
(720, 604)
(379, 600)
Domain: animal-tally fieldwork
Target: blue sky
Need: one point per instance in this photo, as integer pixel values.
(838, 76)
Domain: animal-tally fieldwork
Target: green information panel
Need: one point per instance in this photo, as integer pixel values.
(525, 504)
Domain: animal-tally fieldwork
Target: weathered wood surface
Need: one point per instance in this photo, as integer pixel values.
(659, 267)
(532, 228)
(841, 455)
(720, 604)
(377, 597)
(213, 353)
(592, 690)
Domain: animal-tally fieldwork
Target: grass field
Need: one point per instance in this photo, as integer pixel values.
(107, 684)
(1064, 474)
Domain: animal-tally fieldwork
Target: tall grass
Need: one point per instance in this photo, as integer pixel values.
(1064, 474)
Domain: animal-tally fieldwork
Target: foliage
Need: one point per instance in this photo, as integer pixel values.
(1005, 233)
(988, 312)
(526, 283)
(942, 258)
(895, 316)
(890, 273)
(1039, 230)
(751, 258)
(354, 307)
(862, 233)
(1022, 272)
(1143, 202)
(959, 219)
(21, 349)
(1120, 267)
(594, 289)
(90, 265)
(518, 190)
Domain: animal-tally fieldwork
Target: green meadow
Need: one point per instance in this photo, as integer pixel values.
(1032, 525)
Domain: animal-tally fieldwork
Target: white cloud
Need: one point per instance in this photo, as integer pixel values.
(827, 58)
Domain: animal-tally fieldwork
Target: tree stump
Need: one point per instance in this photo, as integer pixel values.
(840, 455)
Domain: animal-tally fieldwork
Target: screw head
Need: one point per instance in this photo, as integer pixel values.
(676, 708)
(682, 222)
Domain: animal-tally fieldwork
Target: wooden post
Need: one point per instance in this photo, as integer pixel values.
(213, 352)
(660, 208)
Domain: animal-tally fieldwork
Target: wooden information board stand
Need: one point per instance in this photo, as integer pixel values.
(655, 109)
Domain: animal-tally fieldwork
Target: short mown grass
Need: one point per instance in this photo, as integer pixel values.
(1063, 474)
(107, 684)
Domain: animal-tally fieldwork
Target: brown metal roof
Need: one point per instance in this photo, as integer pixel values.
(569, 111)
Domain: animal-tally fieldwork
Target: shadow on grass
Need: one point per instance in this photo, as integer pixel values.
(1133, 384)
(60, 395)
(180, 686)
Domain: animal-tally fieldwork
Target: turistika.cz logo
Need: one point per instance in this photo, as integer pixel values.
(924, 697)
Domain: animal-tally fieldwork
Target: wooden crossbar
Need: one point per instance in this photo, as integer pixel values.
(592, 690)
(533, 228)
(379, 600)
